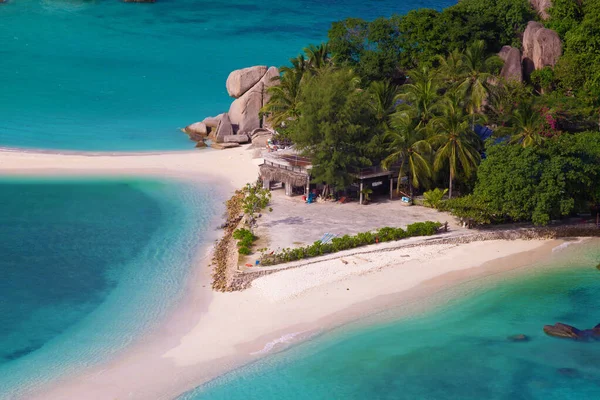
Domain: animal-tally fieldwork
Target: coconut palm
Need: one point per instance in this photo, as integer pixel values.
(451, 67)
(526, 123)
(284, 102)
(476, 70)
(408, 146)
(318, 57)
(421, 94)
(383, 104)
(455, 141)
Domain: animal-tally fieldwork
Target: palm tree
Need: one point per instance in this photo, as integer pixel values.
(318, 57)
(284, 102)
(408, 145)
(421, 94)
(476, 70)
(383, 103)
(455, 140)
(451, 67)
(526, 122)
(284, 99)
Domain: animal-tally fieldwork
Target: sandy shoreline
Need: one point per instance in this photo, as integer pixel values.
(211, 333)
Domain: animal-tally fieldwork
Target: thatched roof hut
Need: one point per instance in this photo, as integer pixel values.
(288, 176)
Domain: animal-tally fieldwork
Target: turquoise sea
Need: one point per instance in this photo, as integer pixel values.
(458, 350)
(86, 265)
(106, 75)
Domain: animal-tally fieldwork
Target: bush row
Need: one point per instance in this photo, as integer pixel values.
(245, 239)
(346, 242)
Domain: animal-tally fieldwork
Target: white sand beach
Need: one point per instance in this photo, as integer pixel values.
(210, 333)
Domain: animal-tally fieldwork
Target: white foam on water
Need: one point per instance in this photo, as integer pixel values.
(285, 339)
(564, 245)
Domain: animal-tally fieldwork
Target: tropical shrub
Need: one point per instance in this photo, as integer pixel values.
(244, 250)
(245, 239)
(434, 197)
(346, 242)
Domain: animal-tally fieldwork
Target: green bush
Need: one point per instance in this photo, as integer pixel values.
(245, 239)
(244, 250)
(386, 234)
(434, 197)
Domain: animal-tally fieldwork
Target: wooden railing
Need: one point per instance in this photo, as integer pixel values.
(286, 167)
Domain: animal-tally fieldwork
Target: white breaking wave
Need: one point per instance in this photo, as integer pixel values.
(285, 339)
(564, 245)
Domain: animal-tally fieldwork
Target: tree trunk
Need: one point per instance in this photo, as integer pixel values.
(450, 185)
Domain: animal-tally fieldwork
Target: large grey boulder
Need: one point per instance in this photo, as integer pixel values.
(243, 138)
(541, 47)
(512, 69)
(241, 80)
(271, 78)
(212, 122)
(547, 48)
(244, 111)
(260, 137)
(224, 129)
(528, 40)
(541, 6)
(197, 128)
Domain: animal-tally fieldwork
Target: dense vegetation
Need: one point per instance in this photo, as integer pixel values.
(410, 91)
(347, 242)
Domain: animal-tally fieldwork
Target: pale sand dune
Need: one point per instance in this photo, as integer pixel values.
(210, 333)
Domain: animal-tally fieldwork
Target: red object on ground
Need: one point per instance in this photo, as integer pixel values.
(248, 265)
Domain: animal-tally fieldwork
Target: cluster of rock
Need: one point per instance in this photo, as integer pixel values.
(242, 123)
(565, 331)
(541, 48)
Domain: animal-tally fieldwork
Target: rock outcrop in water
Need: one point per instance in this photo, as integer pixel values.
(565, 331)
(248, 86)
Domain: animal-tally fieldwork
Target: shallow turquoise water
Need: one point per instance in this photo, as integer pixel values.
(87, 265)
(458, 351)
(105, 75)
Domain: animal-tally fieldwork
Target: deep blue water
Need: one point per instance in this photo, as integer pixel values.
(457, 351)
(106, 75)
(87, 265)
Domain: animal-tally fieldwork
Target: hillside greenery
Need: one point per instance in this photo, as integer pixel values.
(410, 91)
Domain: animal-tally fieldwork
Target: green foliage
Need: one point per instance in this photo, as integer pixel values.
(564, 15)
(456, 142)
(381, 49)
(470, 210)
(535, 183)
(244, 250)
(244, 237)
(335, 126)
(367, 193)
(577, 71)
(433, 198)
(255, 198)
(347, 242)
(543, 78)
